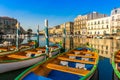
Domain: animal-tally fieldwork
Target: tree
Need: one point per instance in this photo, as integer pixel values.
(29, 32)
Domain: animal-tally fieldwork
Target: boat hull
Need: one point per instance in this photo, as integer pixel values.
(10, 52)
(115, 77)
(116, 66)
(55, 53)
(4, 67)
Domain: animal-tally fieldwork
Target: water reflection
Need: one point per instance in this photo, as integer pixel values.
(12, 41)
(105, 47)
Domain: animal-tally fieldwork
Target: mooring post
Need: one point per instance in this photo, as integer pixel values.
(17, 35)
(46, 37)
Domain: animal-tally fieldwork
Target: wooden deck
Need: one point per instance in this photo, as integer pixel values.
(74, 60)
(81, 72)
(84, 56)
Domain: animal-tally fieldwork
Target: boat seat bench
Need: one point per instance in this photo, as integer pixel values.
(75, 60)
(81, 72)
(83, 52)
(78, 55)
(117, 56)
(117, 60)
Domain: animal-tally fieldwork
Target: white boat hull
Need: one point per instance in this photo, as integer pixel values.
(54, 53)
(4, 67)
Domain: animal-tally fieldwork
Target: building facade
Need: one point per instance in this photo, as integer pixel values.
(59, 29)
(80, 25)
(68, 27)
(115, 21)
(8, 25)
(98, 27)
(80, 22)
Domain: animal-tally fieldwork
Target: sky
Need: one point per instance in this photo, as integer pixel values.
(31, 13)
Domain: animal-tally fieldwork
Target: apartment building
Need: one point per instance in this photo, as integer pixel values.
(80, 22)
(115, 21)
(100, 26)
(68, 27)
(59, 29)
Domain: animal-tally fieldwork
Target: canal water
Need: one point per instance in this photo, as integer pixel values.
(105, 47)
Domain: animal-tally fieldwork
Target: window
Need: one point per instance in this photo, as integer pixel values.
(106, 52)
(115, 11)
(102, 46)
(113, 18)
(98, 32)
(102, 22)
(106, 21)
(98, 22)
(91, 23)
(91, 27)
(102, 27)
(104, 32)
(107, 26)
(95, 32)
(95, 23)
(106, 47)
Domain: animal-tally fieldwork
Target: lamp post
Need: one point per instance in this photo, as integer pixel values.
(46, 37)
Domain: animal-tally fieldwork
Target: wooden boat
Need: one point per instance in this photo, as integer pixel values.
(77, 64)
(12, 49)
(24, 59)
(116, 65)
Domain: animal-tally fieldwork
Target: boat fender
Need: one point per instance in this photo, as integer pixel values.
(39, 51)
(79, 65)
(37, 54)
(88, 54)
(85, 59)
(64, 63)
(50, 54)
(77, 53)
(28, 54)
(72, 57)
